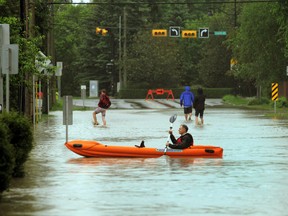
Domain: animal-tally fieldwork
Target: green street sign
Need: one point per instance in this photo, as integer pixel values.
(220, 33)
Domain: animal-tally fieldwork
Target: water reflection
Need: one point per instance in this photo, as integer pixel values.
(250, 179)
(128, 162)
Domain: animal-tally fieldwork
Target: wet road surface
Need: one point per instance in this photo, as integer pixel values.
(250, 179)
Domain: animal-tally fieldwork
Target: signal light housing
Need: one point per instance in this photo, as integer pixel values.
(189, 34)
(159, 33)
(101, 31)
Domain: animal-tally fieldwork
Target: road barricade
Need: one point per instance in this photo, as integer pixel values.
(161, 91)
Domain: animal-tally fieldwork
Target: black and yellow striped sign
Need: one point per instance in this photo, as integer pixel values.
(274, 93)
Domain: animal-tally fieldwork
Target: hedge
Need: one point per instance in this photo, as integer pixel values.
(141, 93)
(6, 158)
(20, 135)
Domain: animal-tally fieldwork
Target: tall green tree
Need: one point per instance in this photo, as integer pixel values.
(69, 37)
(257, 48)
(153, 62)
(282, 13)
(214, 64)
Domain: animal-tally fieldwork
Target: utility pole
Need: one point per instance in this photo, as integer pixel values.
(235, 14)
(120, 54)
(50, 52)
(125, 49)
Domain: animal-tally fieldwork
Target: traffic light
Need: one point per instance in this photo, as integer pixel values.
(159, 33)
(101, 31)
(189, 34)
(104, 32)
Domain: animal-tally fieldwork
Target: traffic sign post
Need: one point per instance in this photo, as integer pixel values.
(174, 31)
(274, 94)
(59, 74)
(83, 94)
(203, 33)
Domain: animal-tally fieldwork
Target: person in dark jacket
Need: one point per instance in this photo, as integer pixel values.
(184, 141)
(199, 105)
(186, 100)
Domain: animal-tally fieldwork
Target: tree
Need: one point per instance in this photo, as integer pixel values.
(257, 48)
(214, 64)
(69, 28)
(155, 64)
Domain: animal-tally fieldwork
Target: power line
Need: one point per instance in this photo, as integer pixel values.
(162, 3)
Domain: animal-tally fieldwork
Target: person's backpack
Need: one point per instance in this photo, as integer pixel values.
(106, 103)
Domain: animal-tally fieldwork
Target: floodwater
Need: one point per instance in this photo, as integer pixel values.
(250, 179)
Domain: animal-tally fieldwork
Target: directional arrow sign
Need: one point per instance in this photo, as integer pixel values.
(203, 32)
(174, 31)
(42, 61)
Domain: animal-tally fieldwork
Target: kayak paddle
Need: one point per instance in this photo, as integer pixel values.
(172, 120)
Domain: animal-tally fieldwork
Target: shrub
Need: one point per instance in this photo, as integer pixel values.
(281, 102)
(259, 101)
(21, 137)
(6, 158)
(236, 100)
(141, 93)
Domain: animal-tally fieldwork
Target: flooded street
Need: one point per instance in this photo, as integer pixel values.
(250, 179)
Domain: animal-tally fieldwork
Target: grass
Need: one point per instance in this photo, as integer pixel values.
(260, 104)
(235, 100)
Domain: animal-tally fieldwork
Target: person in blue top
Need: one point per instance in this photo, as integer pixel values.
(187, 100)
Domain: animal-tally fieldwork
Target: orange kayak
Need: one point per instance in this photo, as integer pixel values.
(88, 148)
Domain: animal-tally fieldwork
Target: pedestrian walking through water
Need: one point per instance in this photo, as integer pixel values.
(103, 105)
(186, 100)
(199, 105)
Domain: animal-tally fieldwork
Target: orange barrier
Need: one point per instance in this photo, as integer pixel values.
(159, 92)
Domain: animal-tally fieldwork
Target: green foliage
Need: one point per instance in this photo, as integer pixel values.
(282, 19)
(259, 101)
(256, 38)
(28, 48)
(159, 63)
(235, 100)
(280, 103)
(132, 93)
(58, 105)
(257, 48)
(6, 158)
(71, 22)
(216, 92)
(20, 136)
(214, 64)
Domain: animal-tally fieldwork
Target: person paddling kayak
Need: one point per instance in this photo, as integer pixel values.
(184, 141)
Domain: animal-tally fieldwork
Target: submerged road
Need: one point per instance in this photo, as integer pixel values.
(140, 103)
(250, 179)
